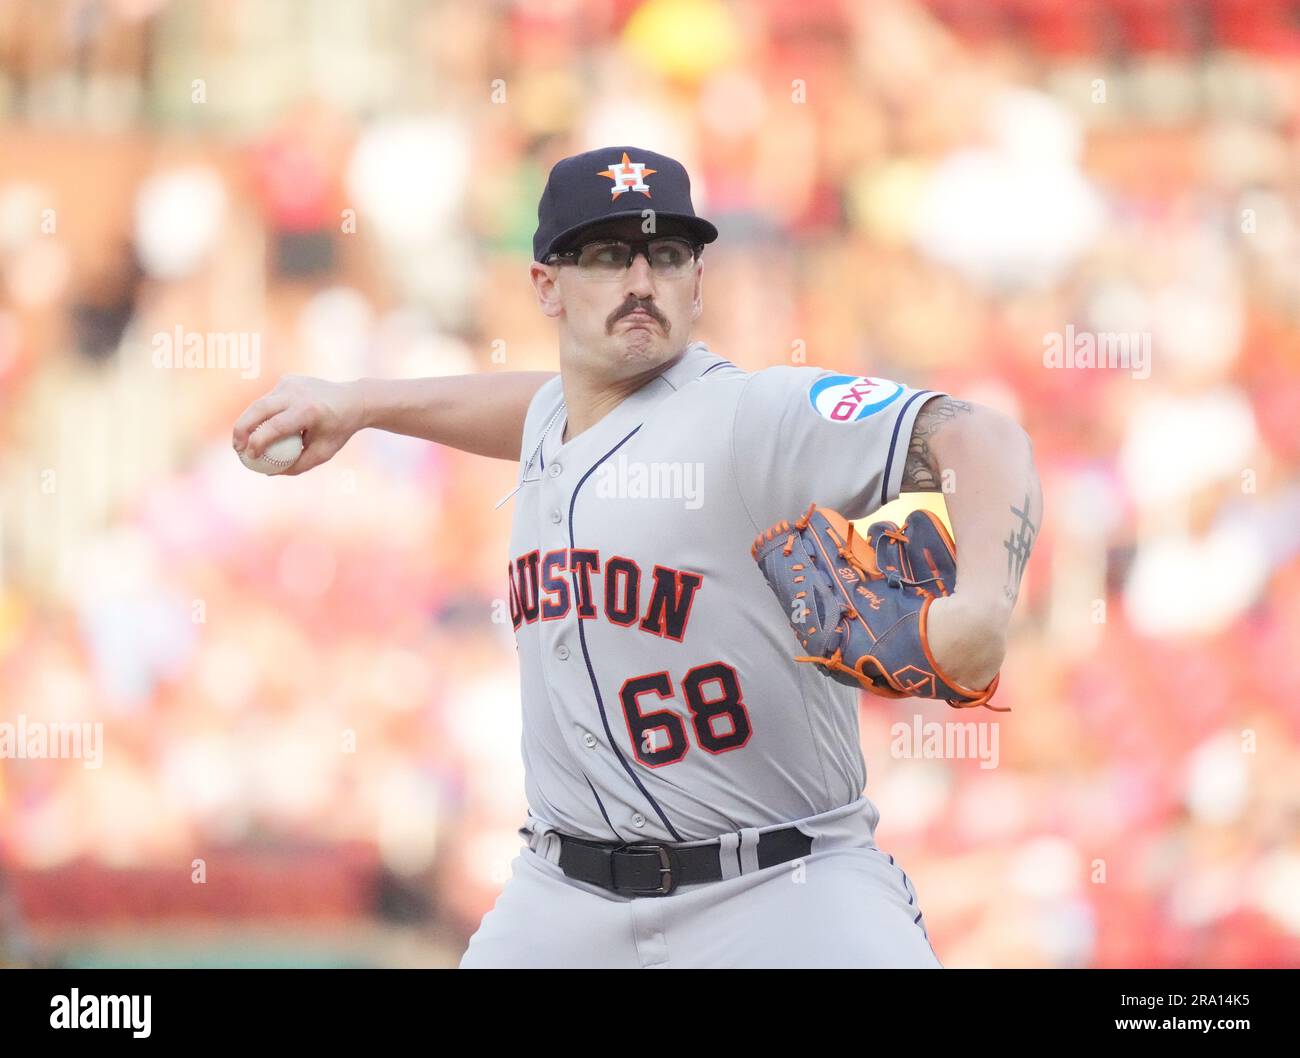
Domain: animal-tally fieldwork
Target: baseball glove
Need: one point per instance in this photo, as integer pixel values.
(858, 603)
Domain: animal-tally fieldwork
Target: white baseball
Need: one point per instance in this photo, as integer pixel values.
(279, 456)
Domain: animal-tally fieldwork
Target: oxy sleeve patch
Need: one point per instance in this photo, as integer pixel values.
(851, 398)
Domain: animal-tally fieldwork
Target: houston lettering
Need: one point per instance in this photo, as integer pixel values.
(545, 587)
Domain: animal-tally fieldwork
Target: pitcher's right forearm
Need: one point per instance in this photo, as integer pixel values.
(479, 413)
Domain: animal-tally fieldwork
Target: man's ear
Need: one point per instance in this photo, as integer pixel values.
(546, 286)
(697, 306)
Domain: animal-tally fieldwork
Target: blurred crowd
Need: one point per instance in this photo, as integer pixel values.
(197, 197)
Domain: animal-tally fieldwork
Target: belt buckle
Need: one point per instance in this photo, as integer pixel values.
(667, 883)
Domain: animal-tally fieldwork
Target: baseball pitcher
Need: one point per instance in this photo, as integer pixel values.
(694, 608)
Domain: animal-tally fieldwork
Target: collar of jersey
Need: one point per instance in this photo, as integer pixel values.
(632, 411)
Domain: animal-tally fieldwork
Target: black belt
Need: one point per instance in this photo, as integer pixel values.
(642, 868)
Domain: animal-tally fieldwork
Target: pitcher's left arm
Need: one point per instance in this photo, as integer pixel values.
(983, 463)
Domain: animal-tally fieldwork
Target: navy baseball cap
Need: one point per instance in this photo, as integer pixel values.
(611, 182)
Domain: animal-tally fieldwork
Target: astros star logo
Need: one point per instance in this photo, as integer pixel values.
(627, 176)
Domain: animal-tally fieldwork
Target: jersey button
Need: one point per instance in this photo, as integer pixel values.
(589, 740)
(562, 652)
(638, 820)
(556, 516)
(556, 470)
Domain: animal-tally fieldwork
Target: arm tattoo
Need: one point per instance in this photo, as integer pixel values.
(1018, 544)
(921, 472)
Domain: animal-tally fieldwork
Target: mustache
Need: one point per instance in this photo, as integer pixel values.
(630, 307)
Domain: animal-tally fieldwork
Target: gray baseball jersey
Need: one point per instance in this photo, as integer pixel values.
(661, 698)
